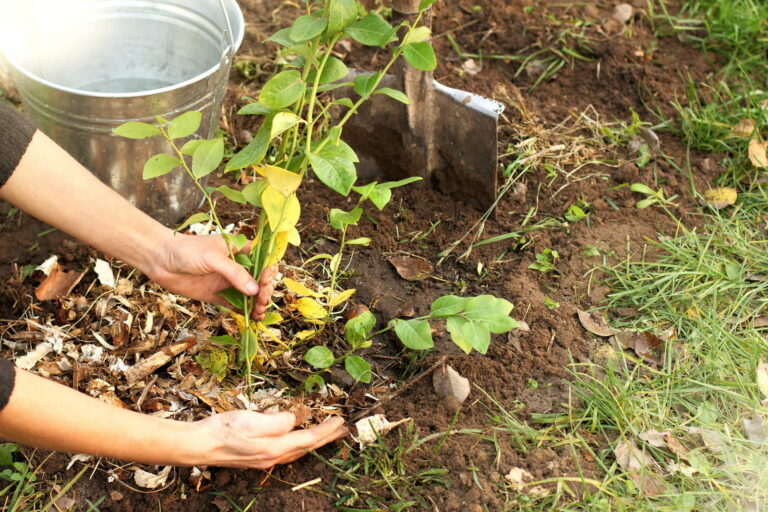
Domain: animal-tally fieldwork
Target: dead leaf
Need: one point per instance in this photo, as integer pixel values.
(302, 413)
(150, 480)
(31, 358)
(471, 67)
(754, 429)
(641, 468)
(654, 438)
(676, 446)
(48, 265)
(377, 425)
(744, 128)
(762, 377)
(761, 321)
(711, 439)
(79, 457)
(757, 153)
(58, 284)
(719, 198)
(649, 346)
(104, 273)
(594, 324)
(650, 138)
(623, 13)
(411, 269)
(519, 479)
(449, 384)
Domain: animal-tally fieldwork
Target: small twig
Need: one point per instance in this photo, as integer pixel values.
(306, 484)
(366, 412)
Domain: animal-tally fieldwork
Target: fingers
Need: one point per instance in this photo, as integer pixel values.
(268, 425)
(298, 442)
(265, 292)
(234, 273)
(339, 432)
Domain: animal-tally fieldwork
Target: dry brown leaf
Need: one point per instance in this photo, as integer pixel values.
(411, 269)
(641, 468)
(302, 413)
(744, 128)
(754, 429)
(594, 324)
(150, 480)
(372, 427)
(58, 284)
(650, 138)
(761, 321)
(449, 384)
(758, 153)
(676, 446)
(623, 13)
(719, 198)
(649, 346)
(711, 439)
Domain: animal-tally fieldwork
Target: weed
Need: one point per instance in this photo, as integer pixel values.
(545, 261)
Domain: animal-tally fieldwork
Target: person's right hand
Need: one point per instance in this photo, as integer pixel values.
(247, 439)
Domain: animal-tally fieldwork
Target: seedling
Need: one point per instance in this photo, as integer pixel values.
(551, 304)
(299, 134)
(545, 261)
(651, 196)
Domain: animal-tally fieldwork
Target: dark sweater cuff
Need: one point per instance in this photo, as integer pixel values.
(7, 381)
(16, 132)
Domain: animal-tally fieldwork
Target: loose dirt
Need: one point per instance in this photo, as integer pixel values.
(633, 71)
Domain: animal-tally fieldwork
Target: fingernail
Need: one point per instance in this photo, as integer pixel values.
(252, 288)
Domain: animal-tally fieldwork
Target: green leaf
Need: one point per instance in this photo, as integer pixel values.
(237, 241)
(194, 219)
(448, 305)
(282, 37)
(358, 368)
(380, 197)
(366, 83)
(223, 340)
(231, 194)
(257, 109)
(415, 334)
(477, 335)
(426, 4)
(247, 346)
(642, 189)
(360, 241)
(319, 357)
(313, 384)
(340, 219)
(234, 296)
(6, 453)
(645, 203)
(344, 102)
(333, 71)
(136, 130)
(282, 122)
(418, 35)
(394, 94)
(307, 27)
(341, 13)
(283, 89)
(336, 175)
(372, 30)
(159, 165)
(454, 326)
(502, 324)
(191, 146)
(244, 261)
(358, 328)
(252, 192)
(184, 125)
(399, 183)
(207, 157)
(272, 318)
(420, 55)
(255, 151)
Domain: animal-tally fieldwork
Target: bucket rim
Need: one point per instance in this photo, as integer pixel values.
(238, 39)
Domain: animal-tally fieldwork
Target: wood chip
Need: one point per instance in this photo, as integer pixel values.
(58, 284)
(156, 360)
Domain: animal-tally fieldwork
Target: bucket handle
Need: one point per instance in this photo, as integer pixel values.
(229, 52)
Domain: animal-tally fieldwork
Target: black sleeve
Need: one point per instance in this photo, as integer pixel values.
(7, 380)
(16, 132)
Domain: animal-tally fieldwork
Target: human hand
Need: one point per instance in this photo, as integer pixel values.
(247, 439)
(199, 266)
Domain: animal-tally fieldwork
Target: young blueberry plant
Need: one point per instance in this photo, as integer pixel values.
(300, 132)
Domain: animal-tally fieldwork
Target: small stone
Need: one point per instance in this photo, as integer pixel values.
(623, 13)
(116, 495)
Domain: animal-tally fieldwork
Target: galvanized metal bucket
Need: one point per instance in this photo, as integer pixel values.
(100, 63)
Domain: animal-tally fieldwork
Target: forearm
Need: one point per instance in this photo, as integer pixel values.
(52, 186)
(49, 415)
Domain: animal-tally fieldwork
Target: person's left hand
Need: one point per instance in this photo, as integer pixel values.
(199, 266)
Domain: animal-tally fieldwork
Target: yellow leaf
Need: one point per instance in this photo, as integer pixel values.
(299, 289)
(304, 335)
(283, 212)
(239, 320)
(719, 198)
(310, 308)
(281, 244)
(294, 238)
(757, 153)
(285, 182)
(342, 297)
(692, 312)
(744, 128)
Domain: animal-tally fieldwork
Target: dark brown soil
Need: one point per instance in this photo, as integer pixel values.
(634, 71)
